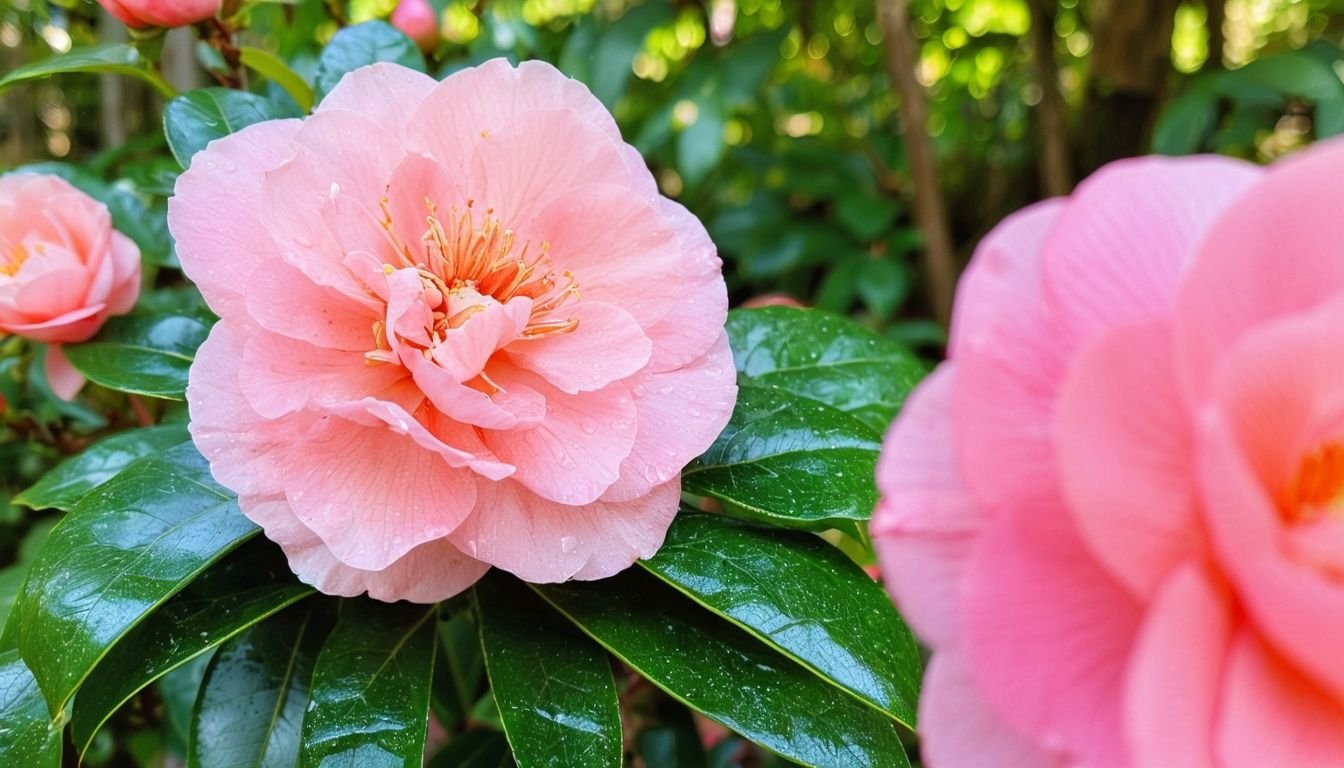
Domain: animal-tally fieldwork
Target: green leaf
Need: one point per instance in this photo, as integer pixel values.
(726, 674)
(474, 749)
(27, 737)
(68, 481)
(177, 690)
(1186, 122)
(224, 601)
(673, 741)
(369, 702)
(275, 68)
(360, 45)
(144, 354)
(252, 701)
(824, 357)
(116, 58)
(553, 686)
(121, 553)
(802, 596)
(198, 117)
(790, 461)
(700, 146)
(14, 574)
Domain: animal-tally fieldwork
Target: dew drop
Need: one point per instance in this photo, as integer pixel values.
(588, 426)
(568, 543)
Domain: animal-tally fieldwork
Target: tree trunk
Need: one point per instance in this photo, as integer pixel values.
(1131, 60)
(940, 266)
(1052, 113)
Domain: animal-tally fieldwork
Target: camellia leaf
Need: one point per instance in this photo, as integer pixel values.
(459, 670)
(790, 461)
(13, 575)
(553, 686)
(121, 553)
(824, 357)
(144, 354)
(726, 674)
(68, 481)
(177, 690)
(116, 58)
(239, 592)
(802, 596)
(278, 71)
(360, 45)
(250, 710)
(369, 701)
(198, 117)
(28, 736)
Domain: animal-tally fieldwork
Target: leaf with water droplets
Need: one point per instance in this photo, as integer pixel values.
(26, 736)
(198, 117)
(553, 686)
(361, 45)
(65, 484)
(790, 461)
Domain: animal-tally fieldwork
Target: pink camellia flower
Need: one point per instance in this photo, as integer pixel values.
(161, 13)
(460, 328)
(417, 20)
(1116, 512)
(63, 268)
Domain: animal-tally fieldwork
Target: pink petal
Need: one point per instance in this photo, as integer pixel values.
(75, 326)
(54, 293)
(1297, 608)
(126, 271)
(680, 412)
(1271, 715)
(459, 446)
(62, 377)
(516, 169)
(516, 407)
(1010, 363)
(1175, 677)
(608, 345)
(1116, 253)
(245, 451)
(214, 212)
(575, 453)
(701, 305)
(433, 571)
(489, 98)
(1124, 451)
(959, 730)
(371, 493)
(389, 93)
(1047, 635)
(541, 541)
(1240, 278)
(466, 349)
(283, 300)
(926, 524)
(285, 375)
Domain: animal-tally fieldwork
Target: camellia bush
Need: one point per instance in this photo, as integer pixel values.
(436, 439)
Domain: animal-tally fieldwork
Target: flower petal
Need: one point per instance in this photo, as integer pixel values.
(285, 375)
(389, 93)
(608, 345)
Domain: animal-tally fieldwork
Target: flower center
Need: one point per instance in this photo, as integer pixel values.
(462, 263)
(1317, 490)
(13, 261)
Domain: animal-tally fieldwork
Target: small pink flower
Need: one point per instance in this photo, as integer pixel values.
(161, 13)
(1116, 512)
(460, 328)
(416, 18)
(63, 268)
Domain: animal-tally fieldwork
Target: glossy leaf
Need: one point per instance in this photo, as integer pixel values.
(252, 701)
(369, 701)
(360, 45)
(177, 690)
(121, 553)
(824, 357)
(26, 736)
(13, 575)
(275, 68)
(144, 354)
(474, 749)
(726, 674)
(553, 686)
(802, 596)
(68, 481)
(790, 461)
(459, 670)
(198, 117)
(115, 58)
(226, 600)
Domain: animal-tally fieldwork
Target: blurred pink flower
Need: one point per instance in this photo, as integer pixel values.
(417, 20)
(772, 300)
(460, 328)
(161, 13)
(63, 268)
(1116, 512)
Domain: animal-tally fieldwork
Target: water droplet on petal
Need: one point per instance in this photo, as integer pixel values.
(568, 543)
(588, 426)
